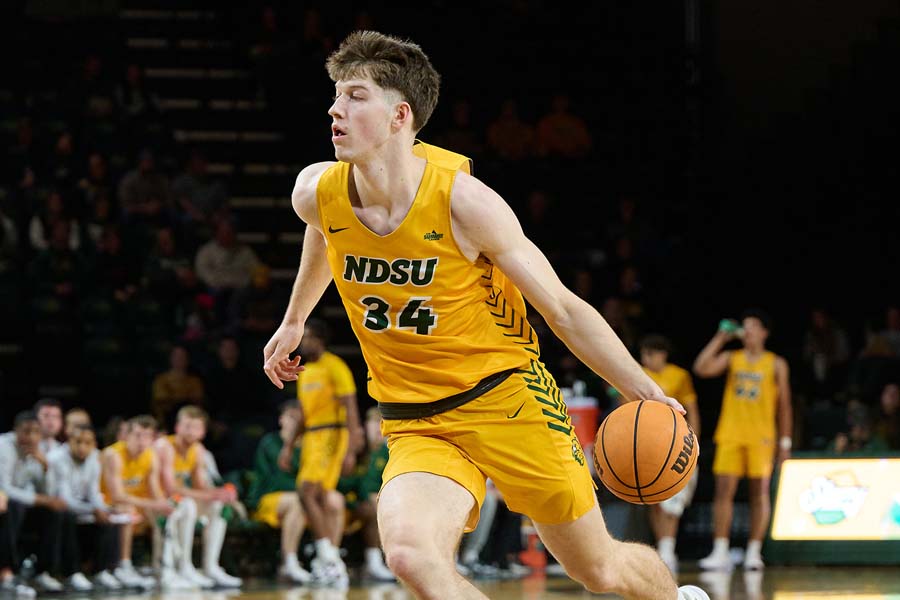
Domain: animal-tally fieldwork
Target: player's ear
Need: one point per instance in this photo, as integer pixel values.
(402, 115)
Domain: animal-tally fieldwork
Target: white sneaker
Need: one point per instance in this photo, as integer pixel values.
(190, 573)
(79, 583)
(294, 573)
(107, 580)
(330, 573)
(753, 562)
(716, 562)
(463, 569)
(171, 581)
(691, 592)
(220, 578)
(11, 585)
(670, 559)
(130, 578)
(379, 572)
(46, 583)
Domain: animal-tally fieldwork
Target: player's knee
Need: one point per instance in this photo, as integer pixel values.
(406, 561)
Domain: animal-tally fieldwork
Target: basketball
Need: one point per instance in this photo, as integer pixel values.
(645, 452)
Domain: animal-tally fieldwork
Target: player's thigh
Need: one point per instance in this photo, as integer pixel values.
(760, 459)
(422, 450)
(730, 460)
(422, 510)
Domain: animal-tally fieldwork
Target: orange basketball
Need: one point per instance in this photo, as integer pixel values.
(645, 452)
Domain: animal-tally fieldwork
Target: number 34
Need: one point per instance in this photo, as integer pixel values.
(416, 315)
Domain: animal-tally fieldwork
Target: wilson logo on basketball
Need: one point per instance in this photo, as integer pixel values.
(684, 457)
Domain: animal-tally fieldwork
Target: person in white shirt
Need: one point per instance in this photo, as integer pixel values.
(21, 481)
(50, 419)
(74, 476)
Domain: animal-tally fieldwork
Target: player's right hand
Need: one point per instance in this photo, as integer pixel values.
(277, 363)
(284, 458)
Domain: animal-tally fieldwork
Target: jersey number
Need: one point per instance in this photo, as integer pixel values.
(416, 315)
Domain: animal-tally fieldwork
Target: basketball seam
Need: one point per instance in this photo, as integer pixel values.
(606, 457)
(634, 455)
(671, 445)
(680, 479)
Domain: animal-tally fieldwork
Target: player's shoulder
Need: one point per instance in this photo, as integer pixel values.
(472, 200)
(303, 196)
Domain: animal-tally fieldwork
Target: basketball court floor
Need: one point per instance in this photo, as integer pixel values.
(776, 583)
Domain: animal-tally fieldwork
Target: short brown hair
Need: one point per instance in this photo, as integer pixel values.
(393, 64)
(142, 421)
(191, 411)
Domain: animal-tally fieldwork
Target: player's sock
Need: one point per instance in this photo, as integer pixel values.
(326, 550)
(666, 546)
(290, 559)
(754, 549)
(720, 546)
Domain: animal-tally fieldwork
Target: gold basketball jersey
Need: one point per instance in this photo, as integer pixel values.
(184, 463)
(431, 323)
(749, 401)
(318, 388)
(135, 472)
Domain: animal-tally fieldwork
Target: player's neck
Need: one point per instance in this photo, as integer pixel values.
(389, 177)
(180, 444)
(754, 351)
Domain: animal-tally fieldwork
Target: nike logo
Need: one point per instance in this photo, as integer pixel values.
(516, 414)
(333, 230)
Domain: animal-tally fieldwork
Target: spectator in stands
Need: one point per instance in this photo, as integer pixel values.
(175, 388)
(22, 478)
(73, 419)
(562, 134)
(100, 216)
(826, 351)
(360, 490)
(198, 196)
(134, 102)
(891, 330)
(261, 305)
(860, 436)
(168, 272)
(74, 476)
(113, 271)
(226, 267)
(9, 246)
(92, 92)
(183, 473)
(96, 184)
(61, 165)
(130, 482)
(613, 311)
(42, 222)
(461, 135)
(509, 137)
(875, 366)
(50, 418)
(144, 193)
(232, 395)
(57, 271)
(273, 492)
(888, 424)
(22, 153)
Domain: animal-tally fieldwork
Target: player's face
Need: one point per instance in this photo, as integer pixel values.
(361, 118)
(755, 333)
(653, 359)
(74, 419)
(190, 430)
(139, 438)
(50, 419)
(28, 435)
(83, 444)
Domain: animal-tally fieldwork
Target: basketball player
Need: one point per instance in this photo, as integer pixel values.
(183, 473)
(676, 383)
(429, 263)
(129, 482)
(327, 395)
(757, 394)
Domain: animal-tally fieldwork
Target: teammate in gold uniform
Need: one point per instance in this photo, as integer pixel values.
(330, 420)
(129, 481)
(429, 263)
(675, 382)
(183, 471)
(757, 394)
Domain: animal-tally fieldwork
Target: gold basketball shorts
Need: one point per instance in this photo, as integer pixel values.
(518, 434)
(322, 455)
(744, 460)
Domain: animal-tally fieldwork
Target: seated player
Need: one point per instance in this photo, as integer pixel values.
(130, 482)
(274, 492)
(74, 476)
(360, 490)
(182, 461)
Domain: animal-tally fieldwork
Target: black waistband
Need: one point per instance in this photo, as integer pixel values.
(329, 426)
(416, 410)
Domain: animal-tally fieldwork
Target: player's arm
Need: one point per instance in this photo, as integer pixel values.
(201, 487)
(785, 410)
(483, 223)
(712, 360)
(354, 427)
(312, 280)
(165, 454)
